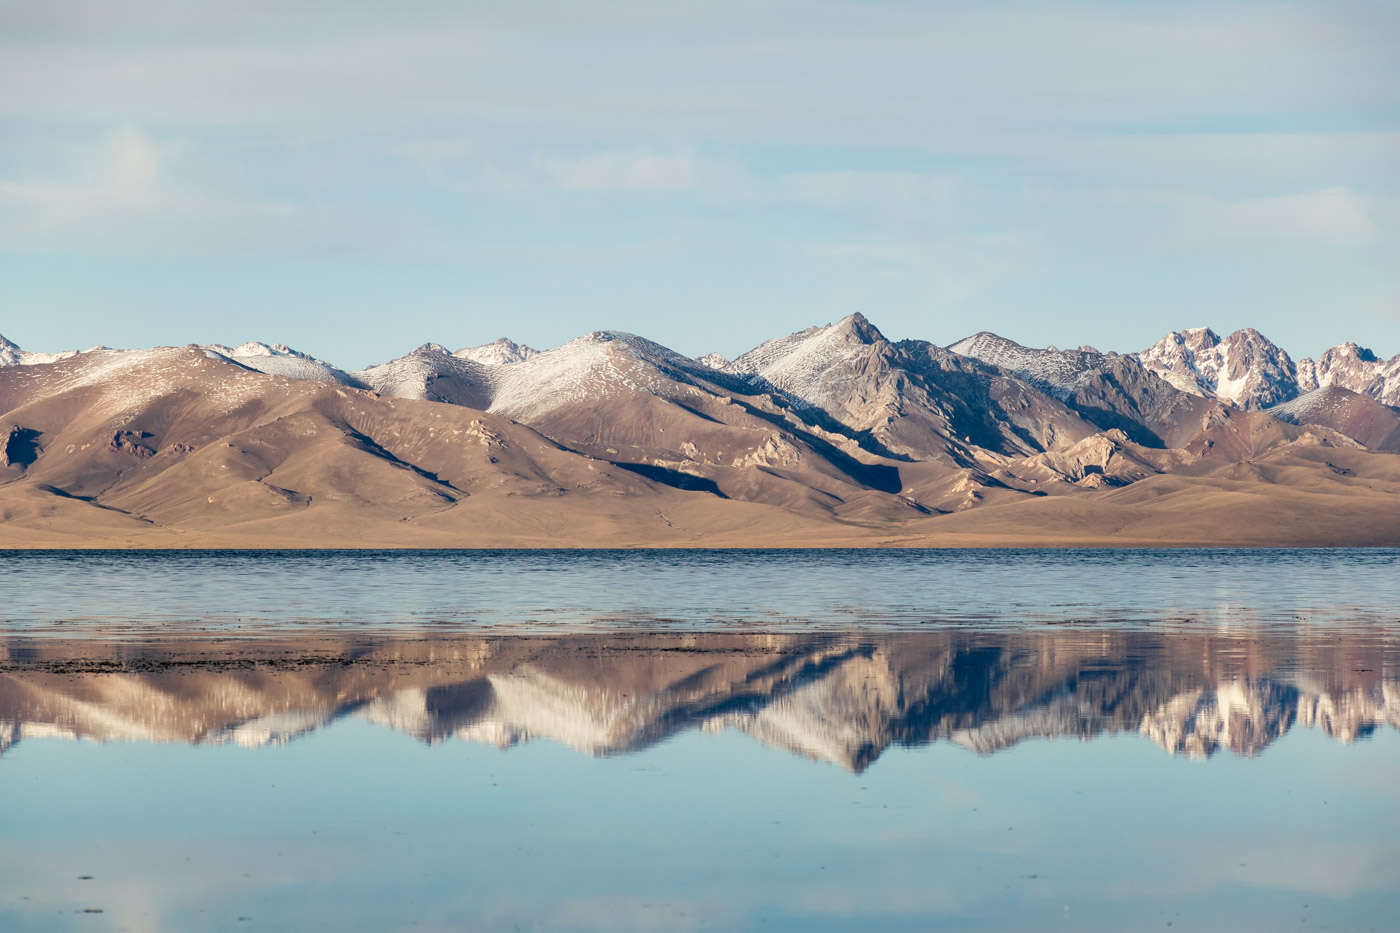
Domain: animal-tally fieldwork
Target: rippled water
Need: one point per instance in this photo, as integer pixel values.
(788, 590)
(1097, 740)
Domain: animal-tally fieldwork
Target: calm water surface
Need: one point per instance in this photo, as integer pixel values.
(1185, 740)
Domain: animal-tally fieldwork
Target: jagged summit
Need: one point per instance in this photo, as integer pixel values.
(10, 353)
(501, 352)
(258, 348)
(1245, 369)
(281, 360)
(1354, 367)
(859, 327)
(800, 364)
(1057, 371)
(712, 360)
(1110, 390)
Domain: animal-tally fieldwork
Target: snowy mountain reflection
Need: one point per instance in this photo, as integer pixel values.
(840, 699)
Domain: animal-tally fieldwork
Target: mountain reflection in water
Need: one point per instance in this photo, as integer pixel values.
(841, 699)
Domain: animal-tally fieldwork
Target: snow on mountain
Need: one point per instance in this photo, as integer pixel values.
(599, 365)
(1109, 390)
(712, 360)
(1356, 368)
(1358, 416)
(1057, 371)
(278, 359)
(501, 352)
(12, 355)
(1244, 369)
(431, 373)
(801, 365)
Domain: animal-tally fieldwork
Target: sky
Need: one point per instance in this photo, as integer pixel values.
(357, 178)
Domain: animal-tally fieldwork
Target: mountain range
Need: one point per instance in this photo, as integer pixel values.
(834, 435)
(843, 699)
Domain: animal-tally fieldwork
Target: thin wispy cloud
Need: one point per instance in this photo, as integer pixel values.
(626, 171)
(125, 193)
(1332, 215)
(869, 186)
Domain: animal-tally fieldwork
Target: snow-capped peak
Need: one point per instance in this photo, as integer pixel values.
(1056, 371)
(258, 348)
(594, 366)
(12, 355)
(1245, 369)
(712, 360)
(1353, 367)
(500, 352)
(278, 359)
(800, 364)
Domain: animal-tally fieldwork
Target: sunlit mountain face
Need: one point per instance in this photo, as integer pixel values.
(839, 698)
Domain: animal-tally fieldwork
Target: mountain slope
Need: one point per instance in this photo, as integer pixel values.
(1109, 390)
(1346, 412)
(12, 355)
(168, 443)
(910, 398)
(278, 359)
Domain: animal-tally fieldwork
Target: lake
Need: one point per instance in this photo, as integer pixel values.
(731, 740)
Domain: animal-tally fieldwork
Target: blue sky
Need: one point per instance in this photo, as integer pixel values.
(354, 178)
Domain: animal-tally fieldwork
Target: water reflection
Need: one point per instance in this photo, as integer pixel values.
(843, 699)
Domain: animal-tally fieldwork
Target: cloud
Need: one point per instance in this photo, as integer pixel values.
(626, 171)
(1332, 215)
(869, 186)
(125, 193)
(120, 174)
(948, 271)
(1335, 215)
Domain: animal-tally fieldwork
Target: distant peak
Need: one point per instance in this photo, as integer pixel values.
(1351, 348)
(982, 340)
(858, 326)
(712, 360)
(500, 352)
(258, 348)
(10, 353)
